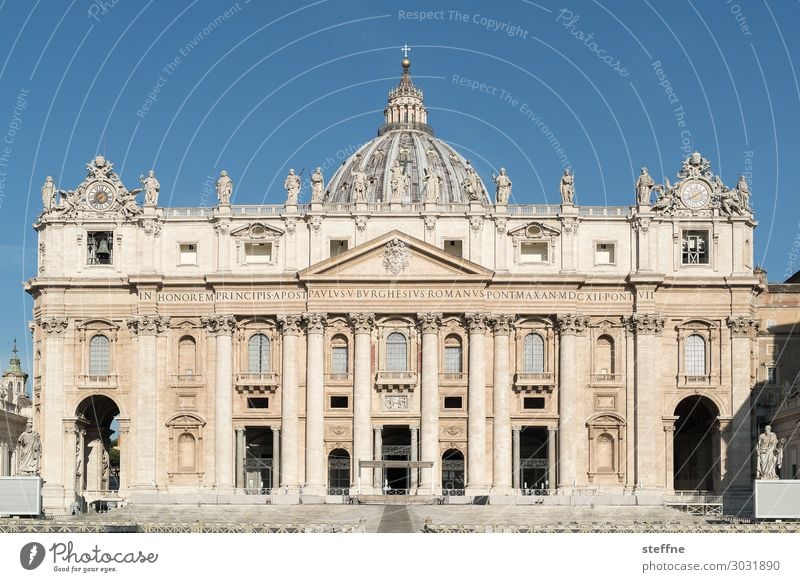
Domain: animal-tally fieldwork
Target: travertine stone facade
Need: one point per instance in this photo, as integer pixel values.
(400, 332)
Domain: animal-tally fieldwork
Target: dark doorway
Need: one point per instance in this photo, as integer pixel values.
(693, 443)
(533, 458)
(453, 472)
(98, 466)
(396, 447)
(259, 466)
(338, 472)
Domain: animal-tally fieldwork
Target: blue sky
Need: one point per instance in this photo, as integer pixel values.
(258, 87)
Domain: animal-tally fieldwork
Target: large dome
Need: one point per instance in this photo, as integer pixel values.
(405, 140)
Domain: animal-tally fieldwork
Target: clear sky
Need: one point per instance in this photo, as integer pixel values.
(190, 88)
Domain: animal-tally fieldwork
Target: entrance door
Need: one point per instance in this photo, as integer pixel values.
(396, 447)
(338, 472)
(453, 472)
(533, 459)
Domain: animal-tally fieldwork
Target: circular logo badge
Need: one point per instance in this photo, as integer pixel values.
(31, 555)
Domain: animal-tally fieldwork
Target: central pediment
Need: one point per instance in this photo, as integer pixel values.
(396, 256)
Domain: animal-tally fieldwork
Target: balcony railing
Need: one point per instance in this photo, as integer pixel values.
(97, 381)
(534, 382)
(386, 380)
(533, 209)
(187, 379)
(606, 378)
(453, 377)
(253, 382)
(339, 378)
(604, 210)
(695, 381)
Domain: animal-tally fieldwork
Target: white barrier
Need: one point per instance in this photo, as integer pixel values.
(20, 495)
(777, 499)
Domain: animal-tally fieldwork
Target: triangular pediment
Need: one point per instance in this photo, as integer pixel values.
(396, 255)
(534, 230)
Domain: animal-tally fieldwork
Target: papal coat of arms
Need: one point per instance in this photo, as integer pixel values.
(395, 257)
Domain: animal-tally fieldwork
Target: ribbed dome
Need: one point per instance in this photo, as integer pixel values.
(407, 140)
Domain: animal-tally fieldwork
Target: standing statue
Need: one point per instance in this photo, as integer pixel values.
(292, 186)
(432, 184)
(744, 192)
(471, 184)
(567, 187)
(317, 185)
(768, 451)
(397, 182)
(49, 194)
(151, 188)
(224, 189)
(29, 452)
(644, 185)
(359, 188)
(503, 184)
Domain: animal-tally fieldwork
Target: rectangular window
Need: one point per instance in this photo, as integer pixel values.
(604, 254)
(339, 360)
(187, 254)
(452, 359)
(257, 253)
(258, 403)
(453, 402)
(454, 247)
(100, 248)
(339, 401)
(772, 375)
(533, 403)
(533, 252)
(338, 246)
(694, 247)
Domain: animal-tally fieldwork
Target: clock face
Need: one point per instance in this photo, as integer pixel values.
(695, 194)
(100, 196)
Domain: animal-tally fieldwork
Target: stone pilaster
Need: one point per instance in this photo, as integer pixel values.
(570, 423)
(737, 452)
(363, 324)
(515, 455)
(429, 399)
(241, 452)
(650, 459)
(276, 457)
(501, 454)
(477, 484)
(377, 477)
(315, 404)
(222, 328)
(552, 455)
(52, 398)
(290, 403)
(146, 329)
(414, 457)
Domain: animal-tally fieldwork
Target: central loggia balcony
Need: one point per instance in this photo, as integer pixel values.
(254, 383)
(534, 382)
(93, 381)
(386, 381)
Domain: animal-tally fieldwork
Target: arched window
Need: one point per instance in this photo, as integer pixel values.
(695, 355)
(339, 356)
(604, 355)
(338, 472)
(99, 356)
(258, 354)
(533, 354)
(396, 352)
(186, 356)
(186, 454)
(453, 360)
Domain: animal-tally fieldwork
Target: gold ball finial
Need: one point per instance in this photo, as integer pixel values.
(406, 62)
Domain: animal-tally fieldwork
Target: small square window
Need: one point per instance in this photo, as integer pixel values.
(257, 253)
(453, 402)
(533, 252)
(533, 403)
(188, 254)
(339, 401)
(454, 247)
(694, 247)
(604, 254)
(100, 248)
(258, 403)
(338, 246)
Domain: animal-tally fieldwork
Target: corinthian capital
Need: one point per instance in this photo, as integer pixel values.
(362, 322)
(502, 324)
(290, 324)
(742, 326)
(572, 323)
(477, 322)
(429, 322)
(148, 324)
(219, 324)
(646, 323)
(54, 325)
(315, 322)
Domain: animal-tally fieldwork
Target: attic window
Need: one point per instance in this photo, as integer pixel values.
(338, 246)
(533, 252)
(453, 247)
(257, 253)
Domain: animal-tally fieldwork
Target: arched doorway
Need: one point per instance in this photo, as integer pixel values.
(338, 472)
(695, 443)
(453, 472)
(98, 465)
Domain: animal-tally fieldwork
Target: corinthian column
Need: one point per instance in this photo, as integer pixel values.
(501, 454)
(429, 398)
(362, 396)
(477, 483)
(222, 327)
(54, 329)
(650, 458)
(290, 403)
(315, 405)
(569, 420)
(737, 478)
(146, 329)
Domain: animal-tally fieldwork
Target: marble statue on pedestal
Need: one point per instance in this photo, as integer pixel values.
(151, 189)
(432, 186)
(224, 189)
(292, 186)
(317, 186)
(49, 194)
(770, 454)
(567, 187)
(29, 452)
(503, 183)
(644, 185)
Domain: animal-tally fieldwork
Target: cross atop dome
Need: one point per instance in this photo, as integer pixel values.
(405, 109)
(406, 49)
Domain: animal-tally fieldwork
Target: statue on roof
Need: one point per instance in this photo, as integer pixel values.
(317, 185)
(359, 187)
(292, 186)
(398, 181)
(744, 192)
(49, 195)
(644, 186)
(503, 185)
(472, 184)
(567, 187)
(224, 189)
(151, 188)
(432, 186)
